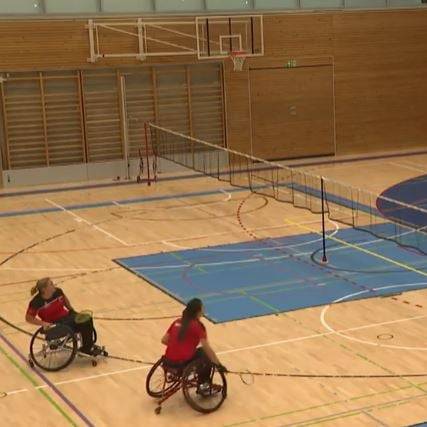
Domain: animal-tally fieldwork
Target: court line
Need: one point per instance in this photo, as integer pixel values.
(50, 269)
(225, 352)
(46, 381)
(249, 260)
(80, 379)
(359, 248)
(227, 193)
(109, 203)
(176, 239)
(323, 334)
(62, 208)
(339, 333)
(168, 242)
(403, 165)
(351, 412)
(29, 377)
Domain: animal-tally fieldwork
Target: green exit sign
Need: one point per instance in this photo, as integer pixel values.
(292, 63)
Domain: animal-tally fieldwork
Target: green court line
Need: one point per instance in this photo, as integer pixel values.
(29, 377)
(359, 248)
(360, 411)
(260, 302)
(324, 405)
(411, 384)
(180, 258)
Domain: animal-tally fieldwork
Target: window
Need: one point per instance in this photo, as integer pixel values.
(74, 6)
(115, 6)
(21, 6)
(179, 5)
(228, 5)
(321, 4)
(276, 4)
(368, 4)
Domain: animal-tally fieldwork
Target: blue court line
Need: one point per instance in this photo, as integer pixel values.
(198, 175)
(112, 203)
(109, 203)
(90, 186)
(237, 285)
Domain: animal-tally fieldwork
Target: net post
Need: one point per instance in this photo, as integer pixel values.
(147, 154)
(322, 191)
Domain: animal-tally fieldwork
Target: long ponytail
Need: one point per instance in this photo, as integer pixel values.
(190, 313)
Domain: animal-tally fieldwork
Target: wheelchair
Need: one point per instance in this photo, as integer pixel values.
(55, 348)
(165, 379)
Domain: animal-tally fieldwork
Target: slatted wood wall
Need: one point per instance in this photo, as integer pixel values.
(379, 59)
(70, 117)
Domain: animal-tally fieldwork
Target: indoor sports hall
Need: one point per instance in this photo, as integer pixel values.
(266, 157)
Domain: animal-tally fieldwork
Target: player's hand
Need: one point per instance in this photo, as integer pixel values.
(221, 368)
(46, 325)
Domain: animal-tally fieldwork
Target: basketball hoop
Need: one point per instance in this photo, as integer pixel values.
(238, 58)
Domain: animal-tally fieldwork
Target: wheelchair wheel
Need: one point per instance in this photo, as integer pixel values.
(54, 349)
(159, 381)
(209, 398)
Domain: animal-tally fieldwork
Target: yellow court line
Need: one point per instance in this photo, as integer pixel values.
(353, 246)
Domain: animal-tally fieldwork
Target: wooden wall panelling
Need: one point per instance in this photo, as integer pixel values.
(173, 98)
(223, 114)
(24, 113)
(237, 109)
(190, 111)
(140, 104)
(5, 145)
(65, 134)
(207, 102)
(121, 98)
(43, 103)
(189, 99)
(381, 85)
(80, 92)
(102, 111)
(292, 112)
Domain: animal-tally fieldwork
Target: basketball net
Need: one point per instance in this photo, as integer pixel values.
(238, 59)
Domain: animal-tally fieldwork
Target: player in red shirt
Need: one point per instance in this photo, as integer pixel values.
(50, 306)
(182, 341)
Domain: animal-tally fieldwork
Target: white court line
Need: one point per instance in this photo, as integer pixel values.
(340, 333)
(227, 194)
(51, 269)
(117, 203)
(250, 260)
(266, 248)
(79, 218)
(322, 334)
(253, 347)
(338, 248)
(404, 165)
(76, 380)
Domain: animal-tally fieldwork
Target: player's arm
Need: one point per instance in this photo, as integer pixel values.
(209, 351)
(165, 339)
(30, 318)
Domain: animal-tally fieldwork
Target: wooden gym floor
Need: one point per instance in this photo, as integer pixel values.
(76, 248)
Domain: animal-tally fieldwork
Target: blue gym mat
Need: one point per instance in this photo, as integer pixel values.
(262, 277)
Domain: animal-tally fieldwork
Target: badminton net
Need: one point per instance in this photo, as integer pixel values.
(382, 217)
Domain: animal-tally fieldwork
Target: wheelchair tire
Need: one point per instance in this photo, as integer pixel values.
(189, 384)
(70, 345)
(159, 391)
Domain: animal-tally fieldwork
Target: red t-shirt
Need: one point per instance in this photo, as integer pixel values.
(181, 351)
(49, 310)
